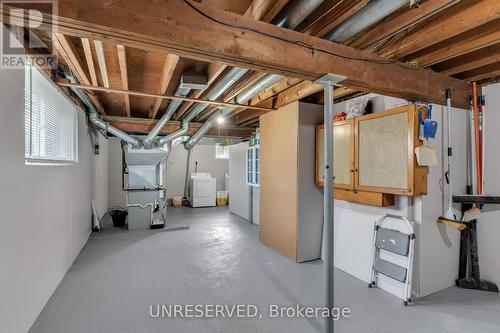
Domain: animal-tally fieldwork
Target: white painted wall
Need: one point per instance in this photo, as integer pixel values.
(205, 156)
(436, 252)
(240, 194)
(489, 223)
(100, 174)
(46, 213)
(176, 169)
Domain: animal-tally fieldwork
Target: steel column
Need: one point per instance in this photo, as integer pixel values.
(328, 205)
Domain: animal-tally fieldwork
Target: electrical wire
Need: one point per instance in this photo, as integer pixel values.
(311, 47)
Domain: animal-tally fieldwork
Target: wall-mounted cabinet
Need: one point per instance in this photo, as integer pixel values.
(375, 153)
(343, 159)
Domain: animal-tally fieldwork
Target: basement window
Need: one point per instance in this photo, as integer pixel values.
(221, 152)
(50, 122)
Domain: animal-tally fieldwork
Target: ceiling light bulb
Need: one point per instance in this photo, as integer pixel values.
(220, 120)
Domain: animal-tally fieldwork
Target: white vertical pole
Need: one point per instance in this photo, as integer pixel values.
(328, 205)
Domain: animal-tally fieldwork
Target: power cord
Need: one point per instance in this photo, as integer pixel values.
(311, 47)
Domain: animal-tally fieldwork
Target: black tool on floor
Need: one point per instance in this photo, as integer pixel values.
(469, 246)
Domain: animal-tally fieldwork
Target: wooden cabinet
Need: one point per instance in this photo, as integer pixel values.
(375, 153)
(343, 159)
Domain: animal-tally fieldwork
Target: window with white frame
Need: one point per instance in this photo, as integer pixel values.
(50, 122)
(221, 151)
(253, 166)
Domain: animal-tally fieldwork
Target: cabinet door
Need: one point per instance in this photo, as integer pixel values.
(385, 157)
(343, 154)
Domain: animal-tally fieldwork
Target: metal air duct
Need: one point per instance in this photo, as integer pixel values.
(242, 98)
(94, 117)
(231, 78)
(295, 12)
(375, 11)
(189, 81)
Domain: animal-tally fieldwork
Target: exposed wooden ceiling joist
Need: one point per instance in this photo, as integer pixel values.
(142, 125)
(294, 93)
(328, 15)
(66, 49)
(462, 17)
(481, 73)
(166, 75)
(197, 32)
(90, 60)
(156, 96)
(398, 22)
(466, 62)
(122, 59)
(101, 60)
(472, 40)
(265, 10)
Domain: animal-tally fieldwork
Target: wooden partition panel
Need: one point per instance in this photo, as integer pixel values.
(279, 183)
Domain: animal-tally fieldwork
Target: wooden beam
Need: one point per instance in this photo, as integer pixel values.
(99, 50)
(142, 125)
(472, 40)
(208, 34)
(299, 91)
(398, 22)
(278, 87)
(166, 75)
(66, 49)
(479, 58)
(122, 59)
(481, 73)
(90, 60)
(265, 10)
(328, 15)
(267, 93)
(158, 96)
(465, 16)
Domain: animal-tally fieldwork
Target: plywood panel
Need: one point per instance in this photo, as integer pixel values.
(383, 151)
(278, 186)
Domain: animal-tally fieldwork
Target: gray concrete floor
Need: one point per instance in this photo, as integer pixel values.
(220, 260)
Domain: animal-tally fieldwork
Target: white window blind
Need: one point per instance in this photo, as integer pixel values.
(221, 151)
(50, 121)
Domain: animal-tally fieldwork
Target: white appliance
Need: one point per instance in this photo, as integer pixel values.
(202, 190)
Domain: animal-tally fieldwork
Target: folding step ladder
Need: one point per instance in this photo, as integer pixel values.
(397, 242)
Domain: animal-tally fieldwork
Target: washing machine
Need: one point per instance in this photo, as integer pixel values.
(202, 190)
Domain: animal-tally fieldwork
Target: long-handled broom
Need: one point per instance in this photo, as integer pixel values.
(450, 216)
